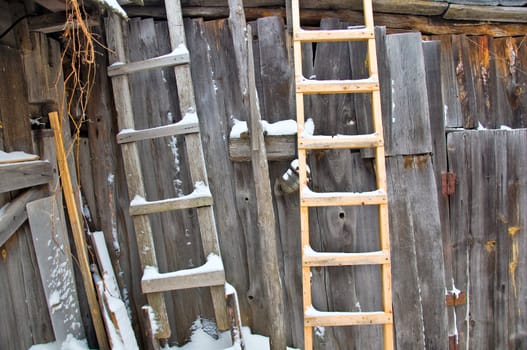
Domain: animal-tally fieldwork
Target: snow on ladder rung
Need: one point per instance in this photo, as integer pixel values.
(207, 275)
(177, 57)
(310, 86)
(352, 34)
(317, 259)
(340, 141)
(309, 198)
(188, 125)
(200, 197)
(314, 318)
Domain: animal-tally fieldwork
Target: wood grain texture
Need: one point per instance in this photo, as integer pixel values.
(22, 298)
(14, 214)
(21, 175)
(488, 233)
(55, 265)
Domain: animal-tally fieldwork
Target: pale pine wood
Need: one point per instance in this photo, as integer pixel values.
(174, 281)
(177, 57)
(311, 199)
(24, 158)
(132, 165)
(330, 319)
(161, 131)
(329, 199)
(336, 142)
(25, 174)
(78, 232)
(306, 86)
(170, 204)
(346, 259)
(333, 35)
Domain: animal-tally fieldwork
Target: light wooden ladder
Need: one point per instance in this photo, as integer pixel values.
(308, 198)
(211, 274)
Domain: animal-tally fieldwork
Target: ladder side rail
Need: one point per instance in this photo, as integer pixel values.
(143, 229)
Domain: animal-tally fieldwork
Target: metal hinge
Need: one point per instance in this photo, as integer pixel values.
(448, 183)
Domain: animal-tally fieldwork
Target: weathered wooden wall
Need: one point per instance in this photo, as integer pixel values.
(482, 81)
(487, 230)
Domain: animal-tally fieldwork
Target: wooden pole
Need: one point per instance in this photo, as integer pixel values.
(78, 233)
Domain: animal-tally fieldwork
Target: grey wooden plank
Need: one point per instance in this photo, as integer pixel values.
(408, 311)
(174, 58)
(490, 234)
(21, 175)
(407, 130)
(432, 55)
(451, 105)
(14, 214)
(278, 148)
(274, 69)
(217, 102)
(50, 240)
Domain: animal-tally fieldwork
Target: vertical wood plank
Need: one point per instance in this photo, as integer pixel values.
(56, 271)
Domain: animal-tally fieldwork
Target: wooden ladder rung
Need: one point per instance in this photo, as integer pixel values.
(177, 57)
(183, 127)
(351, 34)
(200, 197)
(309, 198)
(310, 86)
(209, 274)
(315, 318)
(340, 141)
(313, 258)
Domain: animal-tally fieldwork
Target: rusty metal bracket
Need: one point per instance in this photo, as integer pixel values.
(456, 299)
(448, 183)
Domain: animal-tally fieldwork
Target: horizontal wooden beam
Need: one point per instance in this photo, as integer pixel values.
(54, 22)
(278, 148)
(315, 318)
(20, 175)
(14, 214)
(487, 13)
(317, 259)
(334, 199)
(429, 24)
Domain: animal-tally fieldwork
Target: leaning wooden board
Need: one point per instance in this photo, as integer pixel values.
(56, 270)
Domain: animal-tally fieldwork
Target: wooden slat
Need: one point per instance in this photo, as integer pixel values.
(142, 207)
(130, 135)
(277, 147)
(14, 214)
(16, 157)
(50, 239)
(177, 57)
(333, 35)
(341, 141)
(209, 274)
(330, 199)
(315, 318)
(307, 86)
(26, 174)
(486, 13)
(313, 258)
(132, 166)
(78, 232)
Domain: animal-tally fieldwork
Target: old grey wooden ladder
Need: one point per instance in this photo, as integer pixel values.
(308, 198)
(211, 274)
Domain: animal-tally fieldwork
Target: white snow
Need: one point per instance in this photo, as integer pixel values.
(18, 156)
(114, 6)
(308, 193)
(213, 263)
(280, 128)
(505, 127)
(309, 128)
(481, 127)
(69, 344)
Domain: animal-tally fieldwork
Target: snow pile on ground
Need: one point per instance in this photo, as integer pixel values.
(200, 340)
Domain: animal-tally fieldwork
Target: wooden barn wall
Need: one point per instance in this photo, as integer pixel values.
(487, 228)
(470, 240)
